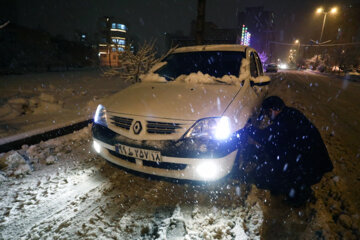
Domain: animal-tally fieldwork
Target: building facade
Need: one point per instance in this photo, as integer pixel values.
(261, 24)
(113, 38)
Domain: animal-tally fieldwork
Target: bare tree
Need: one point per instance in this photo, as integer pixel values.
(132, 65)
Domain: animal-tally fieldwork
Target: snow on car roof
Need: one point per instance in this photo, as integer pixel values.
(220, 47)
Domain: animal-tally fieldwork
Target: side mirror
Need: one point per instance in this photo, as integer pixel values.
(260, 81)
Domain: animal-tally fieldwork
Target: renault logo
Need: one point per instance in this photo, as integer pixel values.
(137, 127)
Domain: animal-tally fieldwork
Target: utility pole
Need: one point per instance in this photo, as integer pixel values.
(323, 26)
(200, 22)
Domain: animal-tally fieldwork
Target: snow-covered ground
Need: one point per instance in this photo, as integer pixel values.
(71, 193)
(59, 189)
(32, 102)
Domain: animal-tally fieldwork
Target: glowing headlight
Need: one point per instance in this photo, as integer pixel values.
(283, 66)
(96, 146)
(217, 128)
(207, 170)
(100, 115)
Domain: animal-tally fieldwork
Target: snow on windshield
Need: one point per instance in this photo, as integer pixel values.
(152, 77)
(199, 77)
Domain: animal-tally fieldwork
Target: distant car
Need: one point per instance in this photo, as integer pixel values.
(185, 119)
(271, 67)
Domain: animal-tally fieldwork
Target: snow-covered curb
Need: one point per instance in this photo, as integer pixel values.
(38, 131)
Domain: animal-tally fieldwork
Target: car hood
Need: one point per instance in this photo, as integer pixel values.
(173, 100)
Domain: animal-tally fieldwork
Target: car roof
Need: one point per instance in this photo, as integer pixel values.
(217, 47)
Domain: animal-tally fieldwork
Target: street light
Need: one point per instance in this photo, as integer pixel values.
(297, 41)
(321, 10)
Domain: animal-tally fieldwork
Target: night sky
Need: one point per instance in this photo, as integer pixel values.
(149, 19)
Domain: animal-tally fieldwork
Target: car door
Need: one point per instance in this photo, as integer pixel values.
(247, 101)
(259, 64)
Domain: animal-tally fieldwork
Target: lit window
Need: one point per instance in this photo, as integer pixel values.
(113, 49)
(113, 25)
(121, 26)
(120, 49)
(122, 42)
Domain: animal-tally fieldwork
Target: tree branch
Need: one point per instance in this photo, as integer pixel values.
(4, 25)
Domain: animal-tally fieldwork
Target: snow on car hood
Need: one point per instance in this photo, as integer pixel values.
(175, 100)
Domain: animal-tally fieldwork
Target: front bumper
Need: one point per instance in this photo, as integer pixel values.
(180, 159)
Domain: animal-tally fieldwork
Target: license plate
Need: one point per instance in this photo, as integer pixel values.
(138, 153)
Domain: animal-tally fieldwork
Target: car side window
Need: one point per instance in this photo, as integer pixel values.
(258, 61)
(253, 68)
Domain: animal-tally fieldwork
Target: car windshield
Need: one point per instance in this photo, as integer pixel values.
(214, 63)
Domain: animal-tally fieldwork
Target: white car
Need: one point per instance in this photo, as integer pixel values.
(185, 119)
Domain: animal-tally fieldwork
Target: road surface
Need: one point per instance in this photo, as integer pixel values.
(80, 196)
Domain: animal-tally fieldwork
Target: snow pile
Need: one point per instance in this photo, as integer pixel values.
(35, 105)
(152, 77)
(193, 78)
(333, 213)
(14, 164)
(48, 152)
(46, 103)
(19, 163)
(218, 224)
(238, 222)
(50, 160)
(200, 77)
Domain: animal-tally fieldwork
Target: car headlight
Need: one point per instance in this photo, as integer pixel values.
(97, 147)
(212, 128)
(283, 66)
(207, 170)
(100, 116)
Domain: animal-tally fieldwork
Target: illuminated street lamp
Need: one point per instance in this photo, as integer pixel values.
(321, 10)
(297, 43)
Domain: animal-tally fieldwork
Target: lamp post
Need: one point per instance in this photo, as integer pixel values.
(297, 56)
(321, 10)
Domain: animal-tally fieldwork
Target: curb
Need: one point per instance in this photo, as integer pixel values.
(36, 138)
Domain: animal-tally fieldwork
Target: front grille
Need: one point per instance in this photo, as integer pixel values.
(162, 165)
(121, 122)
(161, 127)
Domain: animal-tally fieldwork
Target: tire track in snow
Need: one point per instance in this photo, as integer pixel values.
(50, 206)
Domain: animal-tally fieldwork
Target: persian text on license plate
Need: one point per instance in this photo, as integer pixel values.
(138, 153)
